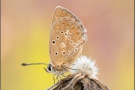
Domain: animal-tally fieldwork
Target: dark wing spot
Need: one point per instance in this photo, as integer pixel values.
(71, 41)
(57, 37)
(69, 37)
(61, 32)
(76, 50)
(53, 42)
(66, 34)
(56, 53)
(63, 52)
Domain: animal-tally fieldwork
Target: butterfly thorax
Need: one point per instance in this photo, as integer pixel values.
(59, 69)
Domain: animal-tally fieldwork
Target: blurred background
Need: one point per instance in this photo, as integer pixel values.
(25, 31)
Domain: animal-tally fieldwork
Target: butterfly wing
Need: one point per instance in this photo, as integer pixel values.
(67, 37)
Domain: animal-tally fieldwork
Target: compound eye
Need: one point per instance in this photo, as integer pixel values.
(49, 67)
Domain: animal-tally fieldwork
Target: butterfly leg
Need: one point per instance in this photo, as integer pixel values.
(63, 75)
(58, 77)
(63, 66)
(53, 78)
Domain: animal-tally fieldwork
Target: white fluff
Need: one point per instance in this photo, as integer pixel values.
(85, 65)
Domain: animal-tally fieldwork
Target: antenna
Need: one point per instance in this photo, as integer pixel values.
(27, 64)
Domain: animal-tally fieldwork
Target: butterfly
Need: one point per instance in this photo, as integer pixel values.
(67, 38)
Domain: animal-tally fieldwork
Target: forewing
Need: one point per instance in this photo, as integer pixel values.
(67, 37)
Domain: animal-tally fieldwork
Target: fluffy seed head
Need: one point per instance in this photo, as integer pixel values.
(85, 65)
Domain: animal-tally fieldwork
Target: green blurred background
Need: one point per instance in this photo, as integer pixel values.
(25, 37)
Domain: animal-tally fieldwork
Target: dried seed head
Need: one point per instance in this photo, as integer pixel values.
(86, 66)
(79, 82)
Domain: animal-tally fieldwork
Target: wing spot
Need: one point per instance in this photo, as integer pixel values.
(76, 50)
(53, 42)
(57, 37)
(56, 53)
(68, 52)
(63, 52)
(66, 34)
(69, 37)
(81, 43)
(71, 41)
(61, 32)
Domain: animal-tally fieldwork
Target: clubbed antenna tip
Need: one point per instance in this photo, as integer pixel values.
(24, 64)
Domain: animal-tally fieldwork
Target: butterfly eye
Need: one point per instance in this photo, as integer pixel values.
(56, 53)
(53, 42)
(49, 67)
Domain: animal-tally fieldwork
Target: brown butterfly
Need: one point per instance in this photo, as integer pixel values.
(67, 38)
